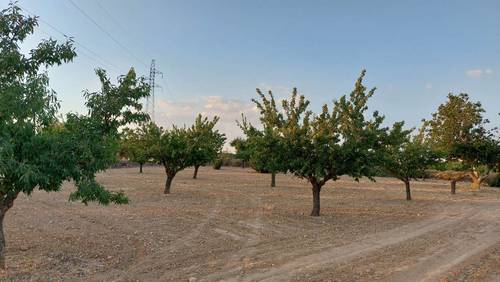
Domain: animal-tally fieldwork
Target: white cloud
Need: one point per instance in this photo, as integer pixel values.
(428, 86)
(477, 73)
(170, 109)
(229, 110)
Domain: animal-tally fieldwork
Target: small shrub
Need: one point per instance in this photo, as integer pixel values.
(494, 180)
(217, 164)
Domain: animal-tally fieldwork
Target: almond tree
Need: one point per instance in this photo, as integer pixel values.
(37, 151)
(480, 155)
(457, 129)
(170, 148)
(341, 141)
(406, 158)
(267, 147)
(206, 142)
(242, 150)
(245, 147)
(134, 146)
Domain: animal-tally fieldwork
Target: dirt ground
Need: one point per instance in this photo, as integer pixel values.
(228, 225)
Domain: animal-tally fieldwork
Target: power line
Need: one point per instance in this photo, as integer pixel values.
(117, 23)
(107, 33)
(120, 25)
(103, 60)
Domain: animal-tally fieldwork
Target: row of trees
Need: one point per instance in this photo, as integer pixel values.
(38, 150)
(455, 143)
(176, 148)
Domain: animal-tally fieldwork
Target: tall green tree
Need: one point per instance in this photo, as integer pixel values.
(267, 146)
(206, 142)
(170, 148)
(37, 151)
(406, 157)
(242, 150)
(458, 130)
(341, 141)
(480, 155)
(134, 146)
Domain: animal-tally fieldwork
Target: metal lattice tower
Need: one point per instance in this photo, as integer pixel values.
(150, 101)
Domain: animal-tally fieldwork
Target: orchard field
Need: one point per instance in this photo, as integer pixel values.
(229, 225)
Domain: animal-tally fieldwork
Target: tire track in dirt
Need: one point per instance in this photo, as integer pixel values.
(348, 252)
(382, 240)
(250, 238)
(156, 259)
(96, 223)
(242, 258)
(276, 249)
(477, 233)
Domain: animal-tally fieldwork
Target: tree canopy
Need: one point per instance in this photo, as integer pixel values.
(458, 130)
(406, 157)
(170, 148)
(266, 146)
(205, 141)
(341, 141)
(38, 151)
(242, 149)
(134, 145)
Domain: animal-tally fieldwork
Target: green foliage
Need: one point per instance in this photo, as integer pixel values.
(169, 147)
(245, 152)
(265, 147)
(217, 163)
(116, 106)
(241, 147)
(95, 137)
(333, 143)
(494, 180)
(341, 141)
(134, 144)
(205, 141)
(458, 130)
(481, 151)
(454, 122)
(37, 150)
(405, 157)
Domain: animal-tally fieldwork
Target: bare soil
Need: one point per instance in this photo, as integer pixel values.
(229, 225)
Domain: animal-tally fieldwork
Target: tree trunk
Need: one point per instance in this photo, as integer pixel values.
(5, 205)
(168, 183)
(2, 240)
(140, 167)
(316, 189)
(408, 191)
(453, 186)
(476, 181)
(273, 179)
(196, 167)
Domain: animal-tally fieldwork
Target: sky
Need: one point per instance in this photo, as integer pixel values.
(214, 53)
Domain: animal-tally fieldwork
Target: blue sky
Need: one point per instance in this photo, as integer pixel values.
(215, 53)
